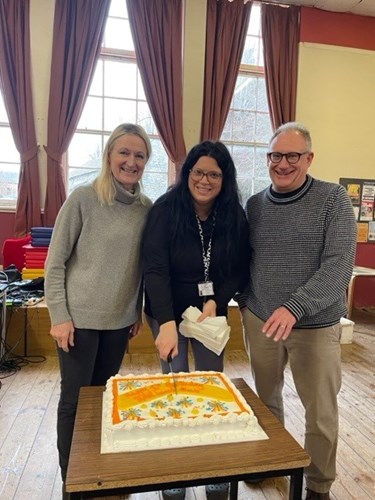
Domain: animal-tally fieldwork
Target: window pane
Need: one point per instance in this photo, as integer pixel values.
(245, 93)
(120, 79)
(3, 113)
(263, 128)
(118, 8)
(251, 54)
(96, 87)
(118, 35)
(254, 23)
(92, 114)
(80, 177)
(154, 185)
(9, 153)
(141, 92)
(159, 159)
(85, 159)
(260, 184)
(85, 148)
(243, 157)
(145, 119)
(9, 181)
(262, 102)
(243, 126)
(118, 111)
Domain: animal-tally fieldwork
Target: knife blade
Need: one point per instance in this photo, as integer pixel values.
(169, 359)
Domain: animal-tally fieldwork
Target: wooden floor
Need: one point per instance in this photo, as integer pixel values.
(28, 400)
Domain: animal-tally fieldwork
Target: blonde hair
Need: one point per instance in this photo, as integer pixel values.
(104, 185)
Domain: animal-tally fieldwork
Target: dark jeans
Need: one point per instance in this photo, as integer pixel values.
(96, 356)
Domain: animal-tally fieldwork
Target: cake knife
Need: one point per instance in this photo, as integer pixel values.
(169, 359)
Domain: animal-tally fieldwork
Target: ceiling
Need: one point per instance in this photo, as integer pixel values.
(360, 7)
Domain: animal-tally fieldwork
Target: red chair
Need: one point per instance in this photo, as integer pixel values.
(14, 253)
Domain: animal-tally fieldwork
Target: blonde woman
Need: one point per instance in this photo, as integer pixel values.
(93, 274)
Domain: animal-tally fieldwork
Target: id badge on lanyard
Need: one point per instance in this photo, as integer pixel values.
(206, 288)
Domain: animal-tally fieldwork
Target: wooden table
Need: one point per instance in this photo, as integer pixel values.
(91, 474)
(357, 271)
(35, 306)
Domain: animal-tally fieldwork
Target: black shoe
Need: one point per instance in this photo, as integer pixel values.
(313, 495)
(253, 481)
(174, 494)
(217, 491)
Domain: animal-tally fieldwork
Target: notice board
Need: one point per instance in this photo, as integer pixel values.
(362, 195)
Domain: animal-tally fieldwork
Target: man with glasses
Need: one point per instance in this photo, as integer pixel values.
(302, 245)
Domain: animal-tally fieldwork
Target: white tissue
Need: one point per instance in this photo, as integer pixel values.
(212, 332)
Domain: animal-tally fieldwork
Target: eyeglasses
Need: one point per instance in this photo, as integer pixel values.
(290, 157)
(197, 175)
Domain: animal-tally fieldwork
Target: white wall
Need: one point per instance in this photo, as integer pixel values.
(41, 28)
(336, 100)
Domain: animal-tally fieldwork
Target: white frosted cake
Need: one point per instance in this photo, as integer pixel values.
(145, 412)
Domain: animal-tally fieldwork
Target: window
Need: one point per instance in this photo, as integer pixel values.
(116, 96)
(9, 162)
(248, 126)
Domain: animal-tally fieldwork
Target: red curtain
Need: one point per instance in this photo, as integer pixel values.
(156, 27)
(15, 81)
(77, 38)
(226, 30)
(280, 32)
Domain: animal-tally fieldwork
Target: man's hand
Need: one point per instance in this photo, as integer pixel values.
(279, 324)
(167, 340)
(63, 333)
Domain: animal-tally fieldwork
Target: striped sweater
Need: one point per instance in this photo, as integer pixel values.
(302, 253)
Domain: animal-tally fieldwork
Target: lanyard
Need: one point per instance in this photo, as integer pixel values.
(206, 254)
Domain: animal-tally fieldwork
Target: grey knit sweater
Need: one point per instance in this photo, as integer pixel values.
(93, 268)
(302, 253)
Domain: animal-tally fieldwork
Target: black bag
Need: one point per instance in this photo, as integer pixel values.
(12, 273)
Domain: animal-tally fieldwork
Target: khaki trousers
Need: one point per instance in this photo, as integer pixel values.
(315, 362)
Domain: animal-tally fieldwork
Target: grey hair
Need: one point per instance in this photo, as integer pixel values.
(294, 127)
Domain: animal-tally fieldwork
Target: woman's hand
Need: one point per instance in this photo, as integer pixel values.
(63, 333)
(209, 310)
(167, 340)
(135, 329)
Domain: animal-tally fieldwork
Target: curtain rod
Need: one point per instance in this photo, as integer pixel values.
(269, 2)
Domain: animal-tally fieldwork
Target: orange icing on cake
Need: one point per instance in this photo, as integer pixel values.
(153, 397)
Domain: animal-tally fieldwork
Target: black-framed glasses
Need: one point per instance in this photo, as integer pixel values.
(197, 175)
(292, 157)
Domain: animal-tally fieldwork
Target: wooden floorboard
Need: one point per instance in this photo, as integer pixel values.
(28, 400)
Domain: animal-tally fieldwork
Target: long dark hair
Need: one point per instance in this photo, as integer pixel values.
(229, 214)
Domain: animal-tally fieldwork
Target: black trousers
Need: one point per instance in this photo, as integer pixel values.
(96, 356)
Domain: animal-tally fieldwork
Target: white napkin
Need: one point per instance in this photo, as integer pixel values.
(212, 332)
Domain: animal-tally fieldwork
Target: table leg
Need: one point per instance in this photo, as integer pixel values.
(351, 296)
(25, 331)
(233, 490)
(296, 481)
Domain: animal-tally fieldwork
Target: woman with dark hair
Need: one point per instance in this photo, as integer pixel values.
(195, 253)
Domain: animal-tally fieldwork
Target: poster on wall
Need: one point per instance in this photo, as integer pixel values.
(362, 194)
